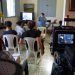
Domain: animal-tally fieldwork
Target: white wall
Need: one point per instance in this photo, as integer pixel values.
(60, 9)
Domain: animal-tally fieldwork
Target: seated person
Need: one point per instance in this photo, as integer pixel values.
(6, 55)
(9, 30)
(34, 33)
(19, 28)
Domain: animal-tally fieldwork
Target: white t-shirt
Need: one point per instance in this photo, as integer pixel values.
(19, 30)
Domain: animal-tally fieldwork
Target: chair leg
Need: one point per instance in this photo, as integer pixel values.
(38, 55)
(35, 58)
(25, 67)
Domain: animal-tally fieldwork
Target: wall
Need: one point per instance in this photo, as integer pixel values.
(48, 7)
(35, 2)
(22, 2)
(60, 9)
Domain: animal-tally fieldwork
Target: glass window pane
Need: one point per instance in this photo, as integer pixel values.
(10, 8)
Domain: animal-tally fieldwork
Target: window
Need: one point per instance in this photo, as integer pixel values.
(10, 8)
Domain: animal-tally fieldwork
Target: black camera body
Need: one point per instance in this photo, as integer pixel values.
(63, 36)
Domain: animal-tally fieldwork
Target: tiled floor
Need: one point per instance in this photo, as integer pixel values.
(45, 65)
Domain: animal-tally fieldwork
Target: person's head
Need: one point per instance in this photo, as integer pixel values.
(1, 44)
(20, 23)
(31, 24)
(8, 24)
(42, 14)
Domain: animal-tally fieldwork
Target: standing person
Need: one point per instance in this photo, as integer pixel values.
(42, 20)
(34, 33)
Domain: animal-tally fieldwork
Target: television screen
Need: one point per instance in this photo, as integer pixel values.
(27, 16)
(65, 38)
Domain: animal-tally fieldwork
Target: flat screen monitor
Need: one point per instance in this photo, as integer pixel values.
(65, 38)
(27, 16)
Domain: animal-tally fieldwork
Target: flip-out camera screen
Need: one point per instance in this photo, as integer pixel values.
(65, 38)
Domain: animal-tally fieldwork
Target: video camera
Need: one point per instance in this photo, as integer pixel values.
(62, 36)
(64, 43)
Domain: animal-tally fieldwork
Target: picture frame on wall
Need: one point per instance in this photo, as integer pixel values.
(71, 5)
(29, 7)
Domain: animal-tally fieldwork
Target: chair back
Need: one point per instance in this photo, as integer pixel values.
(10, 41)
(8, 67)
(31, 43)
(32, 48)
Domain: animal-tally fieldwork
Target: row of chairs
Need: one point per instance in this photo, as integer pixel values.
(8, 67)
(11, 43)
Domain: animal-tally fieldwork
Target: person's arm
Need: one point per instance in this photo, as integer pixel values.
(21, 40)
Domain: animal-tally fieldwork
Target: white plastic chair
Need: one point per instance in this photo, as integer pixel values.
(11, 43)
(30, 46)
